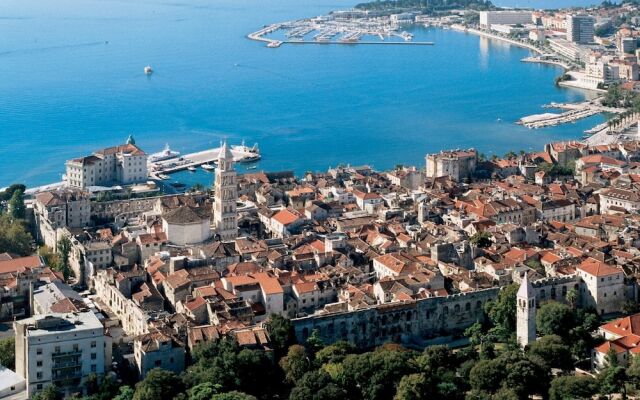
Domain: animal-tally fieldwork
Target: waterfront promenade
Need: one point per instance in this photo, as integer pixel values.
(461, 28)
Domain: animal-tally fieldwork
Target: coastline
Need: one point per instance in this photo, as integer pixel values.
(477, 32)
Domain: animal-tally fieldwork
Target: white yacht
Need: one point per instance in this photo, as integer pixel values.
(148, 70)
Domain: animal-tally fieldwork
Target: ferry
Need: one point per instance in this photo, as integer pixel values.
(208, 167)
(191, 168)
(148, 70)
(165, 154)
(247, 154)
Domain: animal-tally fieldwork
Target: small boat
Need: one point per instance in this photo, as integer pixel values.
(164, 176)
(208, 167)
(191, 168)
(148, 70)
(252, 167)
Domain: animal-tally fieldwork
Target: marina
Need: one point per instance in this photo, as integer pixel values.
(334, 29)
(205, 159)
(573, 113)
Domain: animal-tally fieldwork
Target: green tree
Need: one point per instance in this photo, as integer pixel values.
(316, 385)
(373, 375)
(125, 393)
(334, 353)
(64, 250)
(17, 208)
(555, 318)
(481, 239)
(50, 392)
(158, 384)
(8, 353)
(502, 312)
(437, 360)
(233, 395)
(413, 387)
(554, 352)
(8, 192)
(203, 391)
(14, 237)
(570, 387)
(296, 363)
(486, 376)
(572, 297)
(281, 334)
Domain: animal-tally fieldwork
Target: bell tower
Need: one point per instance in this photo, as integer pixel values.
(226, 196)
(526, 313)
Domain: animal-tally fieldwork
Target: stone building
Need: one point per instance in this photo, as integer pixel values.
(456, 164)
(526, 313)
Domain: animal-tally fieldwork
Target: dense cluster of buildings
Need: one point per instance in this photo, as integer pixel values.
(351, 253)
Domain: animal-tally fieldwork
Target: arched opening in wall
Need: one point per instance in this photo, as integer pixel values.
(427, 314)
(467, 307)
(445, 310)
(543, 294)
(553, 293)
(478, 305)
(564, 291)
(384, 320)
(408, 317)
(330, 328)
(456, 308)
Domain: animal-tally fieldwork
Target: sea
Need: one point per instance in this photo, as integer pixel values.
(72, 81)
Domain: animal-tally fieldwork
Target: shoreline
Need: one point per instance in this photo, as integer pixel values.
(460, 28)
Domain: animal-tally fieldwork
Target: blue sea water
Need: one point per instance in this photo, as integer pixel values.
(71, 81)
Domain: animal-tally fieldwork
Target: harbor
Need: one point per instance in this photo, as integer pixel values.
(166, 162)
(337, 29)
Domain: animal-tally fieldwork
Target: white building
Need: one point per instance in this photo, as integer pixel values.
(507, 17)
(614, 200)
(225, 214)
(59, 349)
(119, 165)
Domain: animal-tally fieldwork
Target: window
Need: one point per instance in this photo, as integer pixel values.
(94, 356)
(93, 368)
(39, 363)
(39, 375)
(57, 349)
(38, 351)
(158, 363)
(93, 344)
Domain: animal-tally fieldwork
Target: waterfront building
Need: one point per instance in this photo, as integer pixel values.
(225, 213)
(566, 48)
(526, 313)
(61, 349)
(488, 18)
(580, 28)
(120, 165)
(457, 164)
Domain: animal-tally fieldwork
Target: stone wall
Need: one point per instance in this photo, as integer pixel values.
(404, 322)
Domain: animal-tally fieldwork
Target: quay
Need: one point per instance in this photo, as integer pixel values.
(363, 42)
(241, 154)
(553, 119)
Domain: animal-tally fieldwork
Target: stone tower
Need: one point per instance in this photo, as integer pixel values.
(526, 313)
(226, 195)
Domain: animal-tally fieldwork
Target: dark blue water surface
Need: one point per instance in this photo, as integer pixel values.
(71, 81)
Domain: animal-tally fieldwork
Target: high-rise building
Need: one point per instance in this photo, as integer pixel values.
(226, 196)
(580, 28)
(526, 313)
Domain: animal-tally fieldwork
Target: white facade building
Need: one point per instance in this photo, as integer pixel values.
(488, 18)
(60, 349)
(526, 313)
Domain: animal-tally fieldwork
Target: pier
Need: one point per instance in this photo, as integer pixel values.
(573, 113)
(241, 154)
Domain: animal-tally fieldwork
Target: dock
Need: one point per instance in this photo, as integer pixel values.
(241, 154)
(573, 113)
